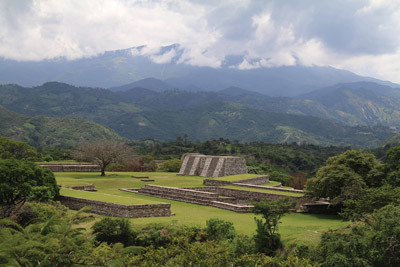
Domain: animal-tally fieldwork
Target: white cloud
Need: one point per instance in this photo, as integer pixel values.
(362, 36)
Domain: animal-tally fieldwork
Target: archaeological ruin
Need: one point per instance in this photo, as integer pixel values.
(212, 166)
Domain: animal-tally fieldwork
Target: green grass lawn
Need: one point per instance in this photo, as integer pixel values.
(295, 227)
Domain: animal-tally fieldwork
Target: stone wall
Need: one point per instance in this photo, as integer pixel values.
(270, 188)
(242, 194)
(251, 181)
(194, 196)
(90, 188)
(118, 210)
(255, 181)
(214, 182)
(72, 168)
(212, 166)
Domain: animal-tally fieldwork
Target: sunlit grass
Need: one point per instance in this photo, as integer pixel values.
(294, 228)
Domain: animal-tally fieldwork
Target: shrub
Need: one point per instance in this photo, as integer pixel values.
(114, 231)
(172, 165)
(280, 177)
(218, 229)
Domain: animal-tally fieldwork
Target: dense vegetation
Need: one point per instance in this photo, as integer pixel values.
(52, 131)
(142, 113)
(260, 157)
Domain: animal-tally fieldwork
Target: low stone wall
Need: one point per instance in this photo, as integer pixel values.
(269, 188)
(117, 210)
(251, 181)
(90, 188)
(214, 182)
(249, 195)
(72, 168)
(233, 207)
(242, 194)
(255, 181)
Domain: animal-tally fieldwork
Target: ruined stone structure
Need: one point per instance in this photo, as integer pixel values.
(89, 188)
(117, 210)
(72, 167)
(236, 200)
(212, 166)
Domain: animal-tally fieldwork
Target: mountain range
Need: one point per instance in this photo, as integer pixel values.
(115, 69)
(234, 113)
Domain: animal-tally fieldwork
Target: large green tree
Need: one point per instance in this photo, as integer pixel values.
(345, 176)
(23, 180)
(14, 149)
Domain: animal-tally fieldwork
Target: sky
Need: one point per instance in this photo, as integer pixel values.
(362, 36)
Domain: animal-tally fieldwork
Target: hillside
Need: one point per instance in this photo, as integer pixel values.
(127, 66)
(140, 113)
(235, 121)
(360, 103)
(52, 131)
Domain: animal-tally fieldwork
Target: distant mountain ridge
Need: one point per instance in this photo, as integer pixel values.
(52, 131)
(141, 113)
(115, 68)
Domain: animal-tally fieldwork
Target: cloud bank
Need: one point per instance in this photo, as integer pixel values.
(361, 36)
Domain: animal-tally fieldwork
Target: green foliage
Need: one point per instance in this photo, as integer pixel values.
(376, 243)
(114, 231)
(280, 177)
(261, 157)
(172, 165)
(35, 212)
(52, 131)
(345, 175)
(18, 150)
(218, 229)
(369, 200)
(166, 115)
(267, 240)
(22, 180)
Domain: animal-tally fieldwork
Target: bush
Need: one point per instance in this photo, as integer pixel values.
(280, 177)
(114, 231)
(48, 158)
(172, 165)
(218, 229)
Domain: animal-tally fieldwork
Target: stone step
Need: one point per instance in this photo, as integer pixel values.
(177, 195)
(176, 198)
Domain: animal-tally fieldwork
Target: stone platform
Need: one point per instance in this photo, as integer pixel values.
(212, 166)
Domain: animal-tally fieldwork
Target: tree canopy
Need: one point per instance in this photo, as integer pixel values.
(14, 149)
(23, 180)
(345, 175)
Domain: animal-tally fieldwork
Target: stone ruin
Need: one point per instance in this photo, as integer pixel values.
(212, 166)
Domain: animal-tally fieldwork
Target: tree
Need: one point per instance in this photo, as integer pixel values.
(345, 176)
(22, 180)
(267, 239)
(374, 243)
(14, 149)
(103, 153)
